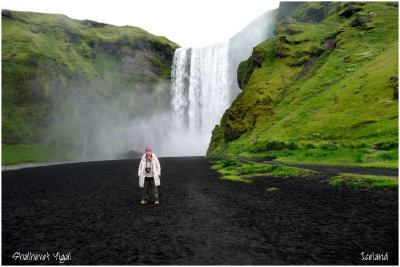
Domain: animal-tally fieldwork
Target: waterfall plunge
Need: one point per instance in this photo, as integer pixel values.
(200, 95)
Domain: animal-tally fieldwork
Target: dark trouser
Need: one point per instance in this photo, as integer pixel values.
(149, 183)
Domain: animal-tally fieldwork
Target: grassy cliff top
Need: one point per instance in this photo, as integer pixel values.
(71, 42)
(58, 23)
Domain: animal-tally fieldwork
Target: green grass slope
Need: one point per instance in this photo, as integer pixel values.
(47, 58)
(323, 89)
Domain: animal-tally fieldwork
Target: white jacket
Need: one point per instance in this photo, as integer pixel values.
(156, 170)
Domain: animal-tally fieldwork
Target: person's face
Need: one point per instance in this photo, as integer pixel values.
(148, 153)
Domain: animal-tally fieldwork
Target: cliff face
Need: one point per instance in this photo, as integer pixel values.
(51, 63)
(329, 73)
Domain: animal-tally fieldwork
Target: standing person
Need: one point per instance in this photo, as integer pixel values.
(149, 175)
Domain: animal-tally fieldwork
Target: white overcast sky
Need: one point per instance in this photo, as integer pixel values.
(188, 23)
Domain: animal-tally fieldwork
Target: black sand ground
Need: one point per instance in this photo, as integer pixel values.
(92, 210)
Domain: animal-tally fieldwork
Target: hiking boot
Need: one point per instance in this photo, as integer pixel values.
(143, 201)
(156, 202)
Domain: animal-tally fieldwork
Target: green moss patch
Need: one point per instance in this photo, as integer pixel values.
(234, 170)
(271, 189)
(366, 181)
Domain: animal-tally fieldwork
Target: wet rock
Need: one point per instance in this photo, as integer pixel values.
(316, 15)
(361, 21)
(329, 43)
(387, 146)
(71, 37)
(299, 62)
(394, 84)
(306, 67)
(283, 40)
(347, 59)
(257, 57)
(350, 11)
(393, 4)
(7, 15)
(291, 31)
(282, 51)
(92, 23)
(35, 61)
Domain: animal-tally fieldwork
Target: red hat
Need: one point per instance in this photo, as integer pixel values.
(148, 149)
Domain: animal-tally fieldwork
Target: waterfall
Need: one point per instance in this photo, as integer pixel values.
(199, 92)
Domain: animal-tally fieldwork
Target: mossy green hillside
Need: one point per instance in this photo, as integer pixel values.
(326, 83)
(46, 57)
